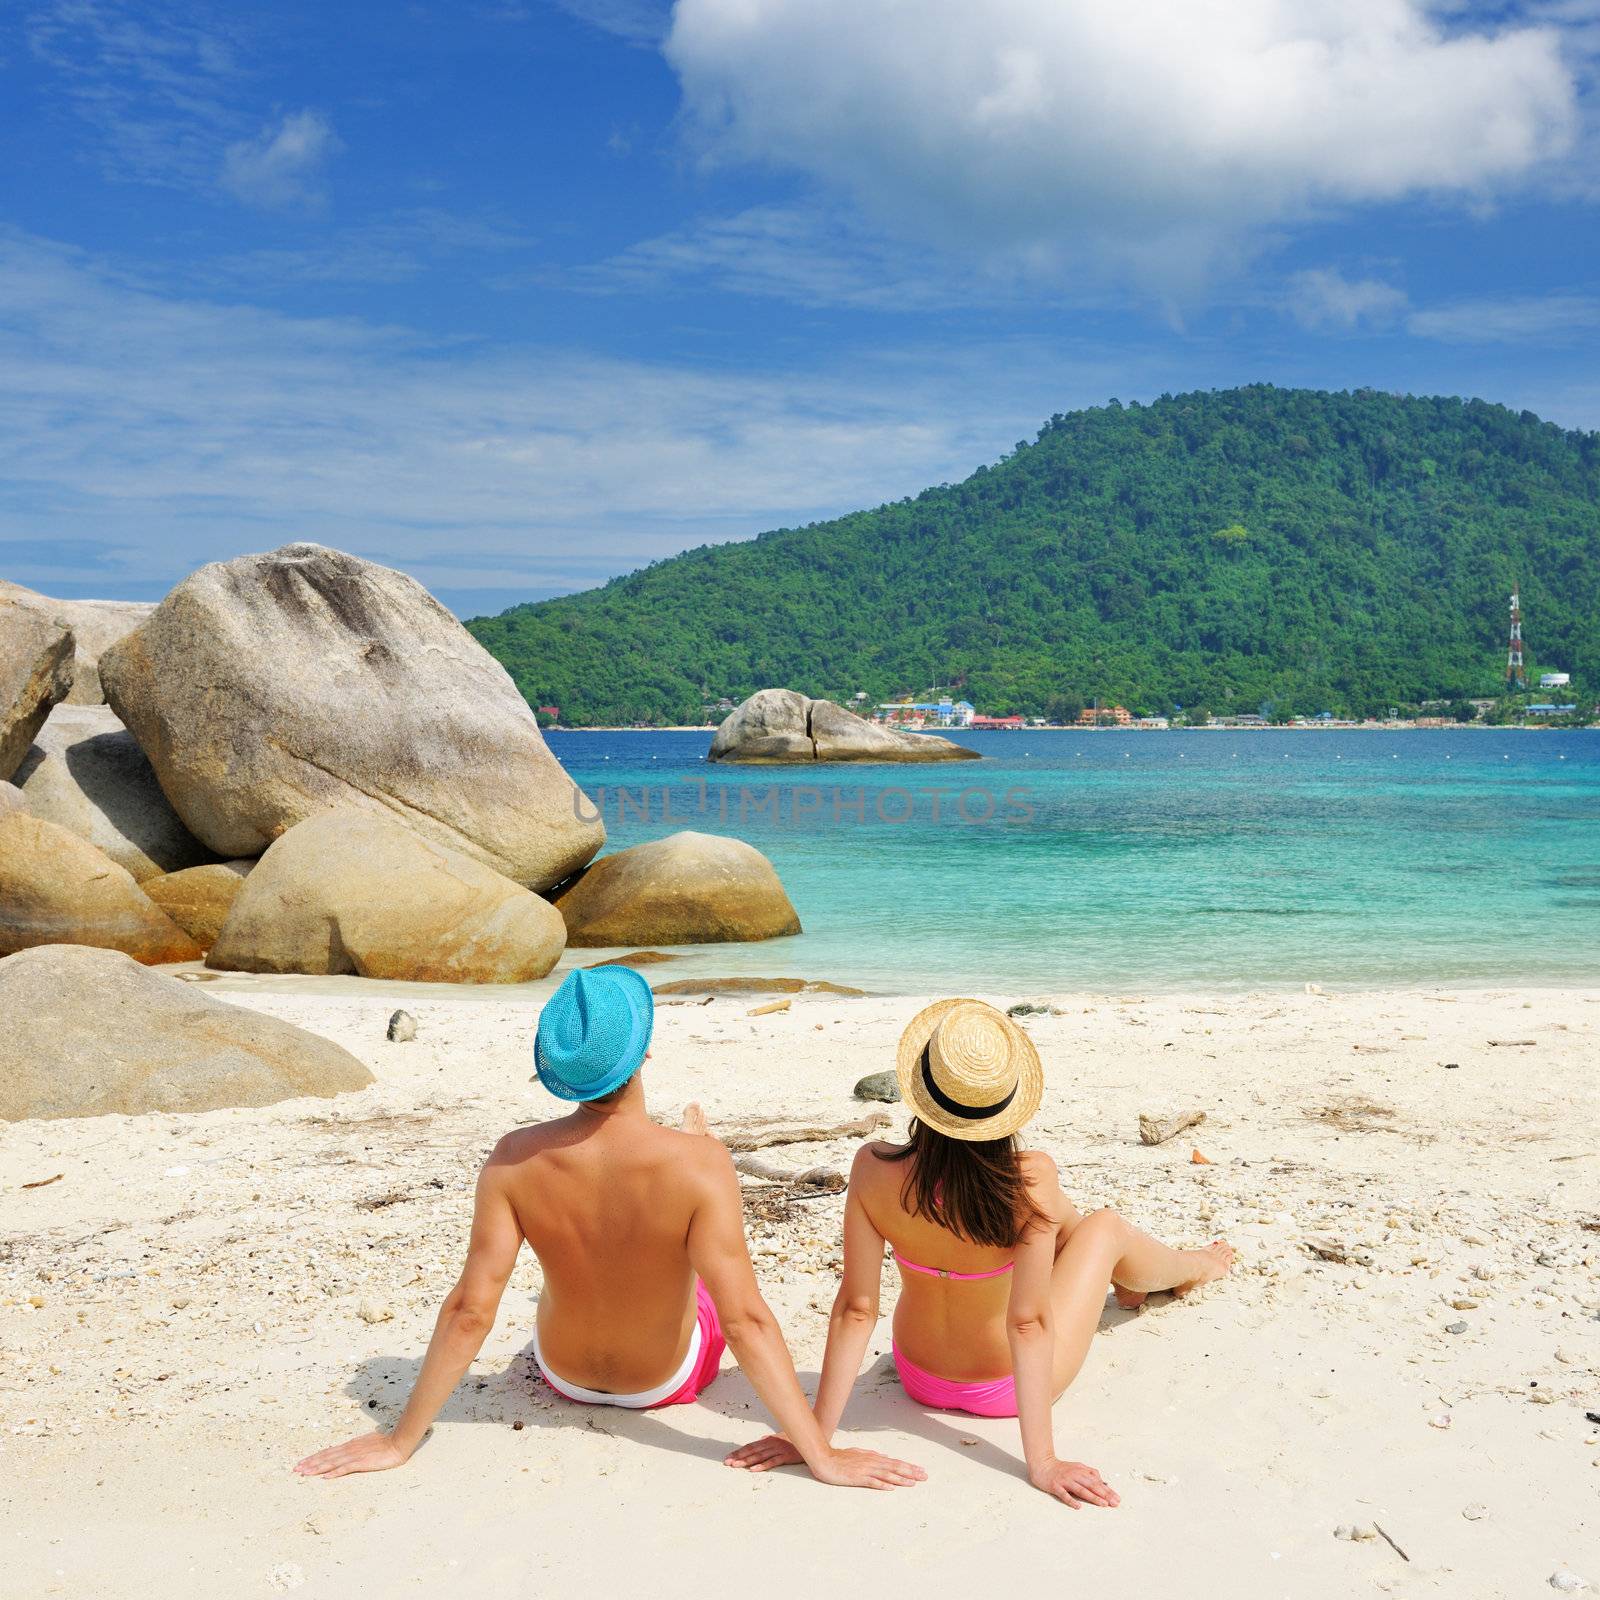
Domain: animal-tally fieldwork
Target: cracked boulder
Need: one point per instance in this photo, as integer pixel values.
(89, 1032)
(780, 726)
(86, 774)
(689, 888)
(348, 891)
(96, 626)
(36, 665)
(273, 687)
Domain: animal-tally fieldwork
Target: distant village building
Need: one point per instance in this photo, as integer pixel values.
(1151, 722)
(1554, 680)
(919, 713)
(1551, 711)
(1097, 716)
(1015, 720)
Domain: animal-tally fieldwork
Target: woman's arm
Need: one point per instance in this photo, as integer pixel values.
(855, 1311)
(1030, 1333)
(718, 1252)
(463, 1324)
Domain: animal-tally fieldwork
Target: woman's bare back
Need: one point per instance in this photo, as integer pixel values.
(953, 1326)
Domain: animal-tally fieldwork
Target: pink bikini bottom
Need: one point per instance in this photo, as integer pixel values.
(995, 1397)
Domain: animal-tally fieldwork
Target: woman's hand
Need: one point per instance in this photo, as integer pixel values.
(1074, 1484)
(372, 1452)
(764, 1455)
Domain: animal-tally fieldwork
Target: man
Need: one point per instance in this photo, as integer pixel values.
(640, 1233)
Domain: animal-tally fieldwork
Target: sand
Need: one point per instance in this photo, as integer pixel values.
(198, 1301)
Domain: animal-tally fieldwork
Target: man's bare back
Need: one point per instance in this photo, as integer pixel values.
(606, 1203)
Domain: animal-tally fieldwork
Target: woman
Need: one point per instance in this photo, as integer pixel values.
(1002, 1279)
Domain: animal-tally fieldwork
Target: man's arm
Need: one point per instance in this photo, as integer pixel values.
(718, 1253)
(463, 1324)
(855, 1315)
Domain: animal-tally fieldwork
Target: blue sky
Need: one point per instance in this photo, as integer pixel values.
(517, 296)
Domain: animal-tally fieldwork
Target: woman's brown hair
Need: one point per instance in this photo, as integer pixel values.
(973, 1187)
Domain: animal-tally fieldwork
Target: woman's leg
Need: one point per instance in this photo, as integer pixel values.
(1103, 1249)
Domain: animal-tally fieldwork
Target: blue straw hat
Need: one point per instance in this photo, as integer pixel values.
(593, 1032)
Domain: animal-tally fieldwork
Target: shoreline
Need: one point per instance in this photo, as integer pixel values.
(1060, 727)
(217, 1294)
(697, 961)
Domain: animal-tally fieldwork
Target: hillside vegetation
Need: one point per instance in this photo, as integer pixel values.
(1257, 546)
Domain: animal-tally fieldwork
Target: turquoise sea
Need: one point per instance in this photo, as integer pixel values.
(1132, 861)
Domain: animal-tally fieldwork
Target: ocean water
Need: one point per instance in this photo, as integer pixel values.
(1132, 862)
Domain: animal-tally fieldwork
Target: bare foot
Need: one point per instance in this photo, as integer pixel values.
(694, 1119)
(1210, 1264)
(1128, 1299)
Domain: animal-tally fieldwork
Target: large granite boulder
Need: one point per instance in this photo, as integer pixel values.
(11, 798)
(199, 899)
(86, 774)
(90, 1032)
(96, 626)
(56, 888)
(781, 726)
(347, 891)
(273, 687)
(36, 656)
(689, 888)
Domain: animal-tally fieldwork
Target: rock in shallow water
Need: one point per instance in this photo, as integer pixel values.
(90, 1032)
(689, 888)
(269, 688)
(779, 726)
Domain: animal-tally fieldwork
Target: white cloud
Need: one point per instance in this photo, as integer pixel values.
(281, 167)
(1156, 137)
(1323, 298)
(152, 89)
(1523, 319)
(164, 432)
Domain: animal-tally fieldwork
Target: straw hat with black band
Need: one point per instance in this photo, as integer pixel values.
(968, 1071)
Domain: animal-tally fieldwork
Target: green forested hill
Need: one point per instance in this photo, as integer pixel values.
(1318, 551)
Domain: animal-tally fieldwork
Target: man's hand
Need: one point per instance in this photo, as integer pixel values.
(1074, 1484)
(847, 1469)
(865, 1469)
(372, 1452)
(764, 1455)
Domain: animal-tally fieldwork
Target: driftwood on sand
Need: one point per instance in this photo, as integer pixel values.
(827, 1178)
(758, 1134)
(1157, 1130)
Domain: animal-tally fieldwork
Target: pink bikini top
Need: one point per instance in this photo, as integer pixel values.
(940, 1272)
(958, 1277)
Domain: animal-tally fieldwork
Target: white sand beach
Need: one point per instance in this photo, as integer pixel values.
(191, 1303)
